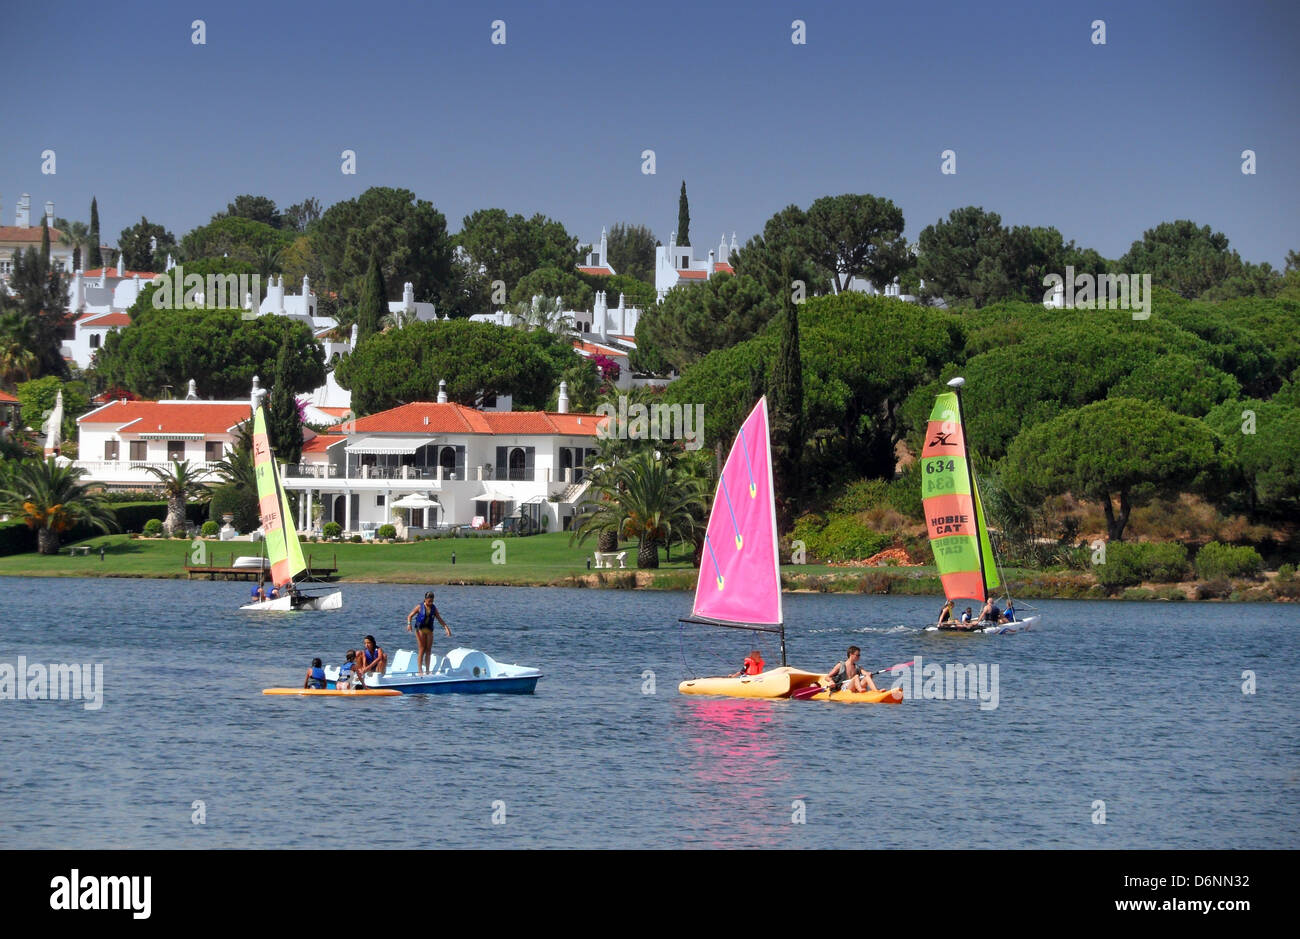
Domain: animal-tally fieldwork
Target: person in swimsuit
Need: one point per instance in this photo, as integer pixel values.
(966, 617)
(753, 665)
(990, 613)
(422, 617)
(315, 675)
(851, 675)
(945, 615)
(370, 661)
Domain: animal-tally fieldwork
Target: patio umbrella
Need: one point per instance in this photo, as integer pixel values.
(416, 501)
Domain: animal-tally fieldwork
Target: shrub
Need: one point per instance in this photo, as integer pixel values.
(386, 531)
(905, 492)
(331, 530)
(862, 495)
(1217, 560)
(209, 529)
(1170, 593)
(1286, 572)
(1214, 589)
(843, 538)
(238, 502)
(1130, 563)
(355, 539)
(1139, 593)
(153, 528)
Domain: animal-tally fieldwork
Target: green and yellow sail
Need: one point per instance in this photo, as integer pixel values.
(954, 517)
(282, 545)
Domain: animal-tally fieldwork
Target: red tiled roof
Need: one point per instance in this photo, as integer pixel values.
(693, 275)
(595, 348)
(322, 442)
(112, 272)
(598, 271)
(458, 419)
(32, 233)
(336, 412)
(104, 319)
(724, 267)
(179, 417)
(6, 398)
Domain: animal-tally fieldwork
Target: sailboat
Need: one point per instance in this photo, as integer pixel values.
(739, 584)
(954, 515)
(279, 537)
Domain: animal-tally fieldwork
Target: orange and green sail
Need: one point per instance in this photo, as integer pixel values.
(282, 546)
(954, 516)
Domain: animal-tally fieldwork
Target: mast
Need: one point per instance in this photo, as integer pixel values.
(956, 384)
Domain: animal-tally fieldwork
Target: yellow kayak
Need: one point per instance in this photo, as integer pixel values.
(883, 696)
(775, 683)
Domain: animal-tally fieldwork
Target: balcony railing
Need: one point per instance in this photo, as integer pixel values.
(138, 470)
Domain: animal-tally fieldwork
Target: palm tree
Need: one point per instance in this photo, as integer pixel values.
(179, 483)
(237, 468)
(643, 498)
(51, 499)
(75, 234)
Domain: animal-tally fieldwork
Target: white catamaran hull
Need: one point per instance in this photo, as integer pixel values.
(328, 601)
(982, 627)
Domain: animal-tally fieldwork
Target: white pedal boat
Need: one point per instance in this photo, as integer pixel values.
(460, 671)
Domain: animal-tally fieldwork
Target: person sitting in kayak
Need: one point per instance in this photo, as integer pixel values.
(315, 675)
(852, 676)
(945, 615)
(753, 665)
(371, 660)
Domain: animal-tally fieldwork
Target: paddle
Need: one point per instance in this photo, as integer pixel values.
(803, 694)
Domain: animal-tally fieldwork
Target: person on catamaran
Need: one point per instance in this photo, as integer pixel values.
(852, 676)
(257, 593)
(966, 617)
(990, 613)
(315, 675)
(945, 615)
(753, 665)
(1009, 614)
(371, 660)
(422, 617)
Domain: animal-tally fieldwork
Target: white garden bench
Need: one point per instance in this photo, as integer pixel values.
(607, 558)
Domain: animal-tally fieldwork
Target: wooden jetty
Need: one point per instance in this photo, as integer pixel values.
(320, 571)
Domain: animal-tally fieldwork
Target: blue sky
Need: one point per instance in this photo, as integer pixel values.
(1049, 129)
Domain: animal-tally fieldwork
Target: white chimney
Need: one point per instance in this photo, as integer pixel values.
(257, 392)
(192, 391)
(408, 297)
(49, 214)
(78, 293)
(603, 257)
(442, 391)
(121, 269)
(562, 405)
(22, 214)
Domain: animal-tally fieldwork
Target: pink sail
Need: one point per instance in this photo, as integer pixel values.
(740, 580)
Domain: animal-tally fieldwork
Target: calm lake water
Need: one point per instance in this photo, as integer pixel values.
(1138, 705)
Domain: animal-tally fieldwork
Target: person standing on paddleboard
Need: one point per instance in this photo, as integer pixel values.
(422, 617)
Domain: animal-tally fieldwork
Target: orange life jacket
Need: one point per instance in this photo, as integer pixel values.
(753, 666)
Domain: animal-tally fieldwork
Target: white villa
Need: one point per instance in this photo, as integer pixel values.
(23, 235)
(118, 442)
(676, 264)
(463, 466)
(472, 467)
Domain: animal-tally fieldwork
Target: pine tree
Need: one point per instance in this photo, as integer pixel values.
(683, 219)
(96, 257)
(283, 424)
(45, 245)
(787, 410)
(373, 306)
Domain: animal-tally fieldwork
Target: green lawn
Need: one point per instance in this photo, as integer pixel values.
(540, 559)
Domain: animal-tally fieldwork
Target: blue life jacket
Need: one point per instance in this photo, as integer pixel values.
(421, 617)
(317, 678)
